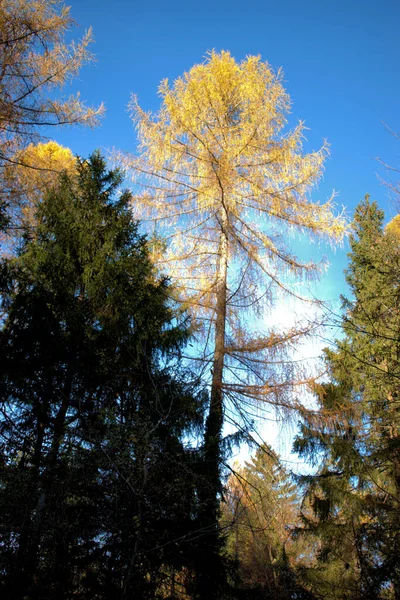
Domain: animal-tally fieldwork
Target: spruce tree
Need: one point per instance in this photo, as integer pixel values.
(97, 491)
(355, 496)
(259, 516)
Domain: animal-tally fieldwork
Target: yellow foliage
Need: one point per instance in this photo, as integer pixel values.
(35, 62)
(42, 162)
(225, 185)
(32, 173)
(393, 227)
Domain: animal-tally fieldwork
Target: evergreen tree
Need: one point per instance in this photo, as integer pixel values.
(97, 490)
(355, 496)
(260, 513)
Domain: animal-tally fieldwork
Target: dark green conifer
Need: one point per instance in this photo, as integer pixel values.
(354, 499)
(97, 489)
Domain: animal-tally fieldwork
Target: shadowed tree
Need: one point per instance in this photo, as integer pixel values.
(224, 184)
(355, 437)
(259, 517)
(97, 487)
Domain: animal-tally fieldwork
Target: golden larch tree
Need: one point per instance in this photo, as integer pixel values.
(35, 64)
(225, 185)
(34, 171)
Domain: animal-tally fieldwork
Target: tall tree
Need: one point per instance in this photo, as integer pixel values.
(355, 436)
(93, 412)
(35, 60)
(225, 185)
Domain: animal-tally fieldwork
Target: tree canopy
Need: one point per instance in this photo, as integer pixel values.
(135, 325)
(260, 514)
(35, 62)
(354, 438)
(224, 184)
(36, 171)
(94, 409)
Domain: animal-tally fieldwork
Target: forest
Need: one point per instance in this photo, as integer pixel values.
(135, 353)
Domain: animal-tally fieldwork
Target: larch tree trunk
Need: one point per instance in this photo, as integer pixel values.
(209, 578)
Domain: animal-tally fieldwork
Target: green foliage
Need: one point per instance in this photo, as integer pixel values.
(97, 488)
(259, 516)
(353, 501)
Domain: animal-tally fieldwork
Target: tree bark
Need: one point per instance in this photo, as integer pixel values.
(210, 573)
(27, 554)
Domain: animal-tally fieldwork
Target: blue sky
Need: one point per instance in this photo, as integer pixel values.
(340, 59)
